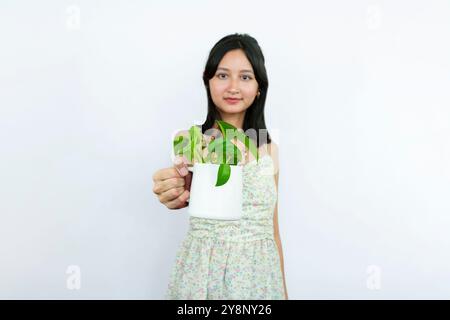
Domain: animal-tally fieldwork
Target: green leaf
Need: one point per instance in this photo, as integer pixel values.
(224, 127)
(240, 135)
(225, 151)
(249, 144)
(191, 146)
(221, 150)
(181, 146)
(196, 137)
(195, 134)
(178, 143)
(223, 175)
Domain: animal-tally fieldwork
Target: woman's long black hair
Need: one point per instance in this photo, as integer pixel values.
(254, 116)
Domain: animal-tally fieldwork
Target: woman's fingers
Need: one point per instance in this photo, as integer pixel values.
(170, 183)
(170, 195)
(180, 201)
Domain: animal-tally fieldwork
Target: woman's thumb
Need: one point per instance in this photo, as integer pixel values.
(180, 163)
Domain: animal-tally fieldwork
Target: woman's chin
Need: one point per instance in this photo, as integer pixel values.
(229, 109)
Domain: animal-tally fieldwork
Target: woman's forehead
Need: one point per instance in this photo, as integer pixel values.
(235, 60)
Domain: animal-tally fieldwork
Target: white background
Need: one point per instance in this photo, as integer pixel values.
(92, 91)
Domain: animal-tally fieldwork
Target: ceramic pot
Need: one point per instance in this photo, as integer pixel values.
(211, 202)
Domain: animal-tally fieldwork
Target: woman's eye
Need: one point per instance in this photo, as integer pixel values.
(223, 75)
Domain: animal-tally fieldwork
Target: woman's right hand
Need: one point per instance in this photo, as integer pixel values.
(172, 185)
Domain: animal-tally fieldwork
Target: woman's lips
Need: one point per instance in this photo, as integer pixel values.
(232, 101)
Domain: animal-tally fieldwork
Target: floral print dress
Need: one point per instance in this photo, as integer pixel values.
(234, 259)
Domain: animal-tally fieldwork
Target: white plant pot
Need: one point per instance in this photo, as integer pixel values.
(211, 202)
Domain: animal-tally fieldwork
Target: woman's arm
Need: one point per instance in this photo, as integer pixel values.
(274, 154)
(278, 242)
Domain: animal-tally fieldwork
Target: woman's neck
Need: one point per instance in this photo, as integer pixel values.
(235, 119)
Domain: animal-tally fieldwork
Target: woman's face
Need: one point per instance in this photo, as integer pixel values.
(234, 78)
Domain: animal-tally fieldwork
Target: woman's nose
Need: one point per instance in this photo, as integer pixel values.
(234, 86)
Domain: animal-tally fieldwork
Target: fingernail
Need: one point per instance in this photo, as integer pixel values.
(183, 171)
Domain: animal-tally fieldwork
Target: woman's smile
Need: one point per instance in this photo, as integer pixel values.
(232, 100)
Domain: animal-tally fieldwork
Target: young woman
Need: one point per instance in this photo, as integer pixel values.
(235, 259)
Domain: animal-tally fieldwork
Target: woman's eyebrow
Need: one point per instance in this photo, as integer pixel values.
(243, 70)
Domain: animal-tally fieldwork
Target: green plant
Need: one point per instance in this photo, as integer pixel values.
(220, 151)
